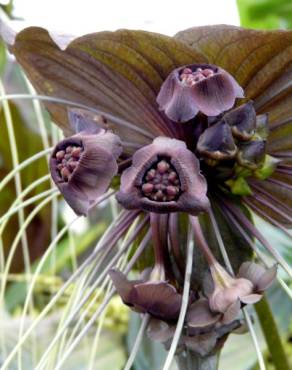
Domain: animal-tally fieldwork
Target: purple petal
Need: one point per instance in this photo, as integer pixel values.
(123, 285)
(267, 278)
(199, 317)
(84, 121)
(251, 271)
(160, 299)
(176, 100)
(251, 298)
(216, 94)
(232, 312)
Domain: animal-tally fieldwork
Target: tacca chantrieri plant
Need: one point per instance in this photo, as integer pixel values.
(192, 132)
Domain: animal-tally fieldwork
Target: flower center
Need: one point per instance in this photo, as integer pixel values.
(161, 182)
(67, 160)
(189, 77)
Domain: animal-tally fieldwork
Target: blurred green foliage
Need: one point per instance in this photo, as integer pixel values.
(265, 14)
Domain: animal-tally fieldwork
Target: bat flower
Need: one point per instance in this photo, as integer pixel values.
(164, 177)
(197, 87)
(246, 288)
(188, 190)
(83, 165)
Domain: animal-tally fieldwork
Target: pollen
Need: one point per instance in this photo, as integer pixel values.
(161, 182)
(189, 77)
(67, 161)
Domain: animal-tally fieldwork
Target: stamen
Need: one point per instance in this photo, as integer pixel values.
(67, 160)
(190, 78)
(161, 182)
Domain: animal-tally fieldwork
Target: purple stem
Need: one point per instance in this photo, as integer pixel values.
(201, 241)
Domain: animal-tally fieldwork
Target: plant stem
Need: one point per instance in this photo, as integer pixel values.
(188, 360)
(271, 333)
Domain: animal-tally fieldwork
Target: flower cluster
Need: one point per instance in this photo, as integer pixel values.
(190, 145)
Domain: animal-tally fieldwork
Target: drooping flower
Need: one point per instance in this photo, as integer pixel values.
(83, 165)
(229, 157)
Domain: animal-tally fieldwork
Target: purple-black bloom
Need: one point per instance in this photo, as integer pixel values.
(164, 177)
(83, 165)
(197, 87)
(185, 185)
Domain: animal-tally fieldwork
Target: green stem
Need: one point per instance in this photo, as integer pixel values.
(271, 333)
(188, 360)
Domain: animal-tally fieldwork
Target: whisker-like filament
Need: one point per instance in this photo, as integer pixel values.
(259, 254)
(259, 211)
(254, 231)
(27, 202)
(231, 271)
(101, 308)
(108, 116)
(137, 342)
(22, 165)
(185, 301)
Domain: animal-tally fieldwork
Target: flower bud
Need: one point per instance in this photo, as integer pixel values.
(242, 121)
(164, 177)
(217, 142)
(252, 154)
(197, 87)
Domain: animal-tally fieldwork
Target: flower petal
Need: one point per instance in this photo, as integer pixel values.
(200, 318)
(267, 278)
(159, 299)
(123, 285)
(251, 298)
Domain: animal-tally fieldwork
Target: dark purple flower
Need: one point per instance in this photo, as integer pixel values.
(164, 177)
(197, 87)
(82, 166)
(156, 297)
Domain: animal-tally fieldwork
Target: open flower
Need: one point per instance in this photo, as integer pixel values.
(83, 165)
(197, 87)
(164, 177)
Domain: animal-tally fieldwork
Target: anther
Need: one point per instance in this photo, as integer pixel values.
(67, 160)
(161, 182)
